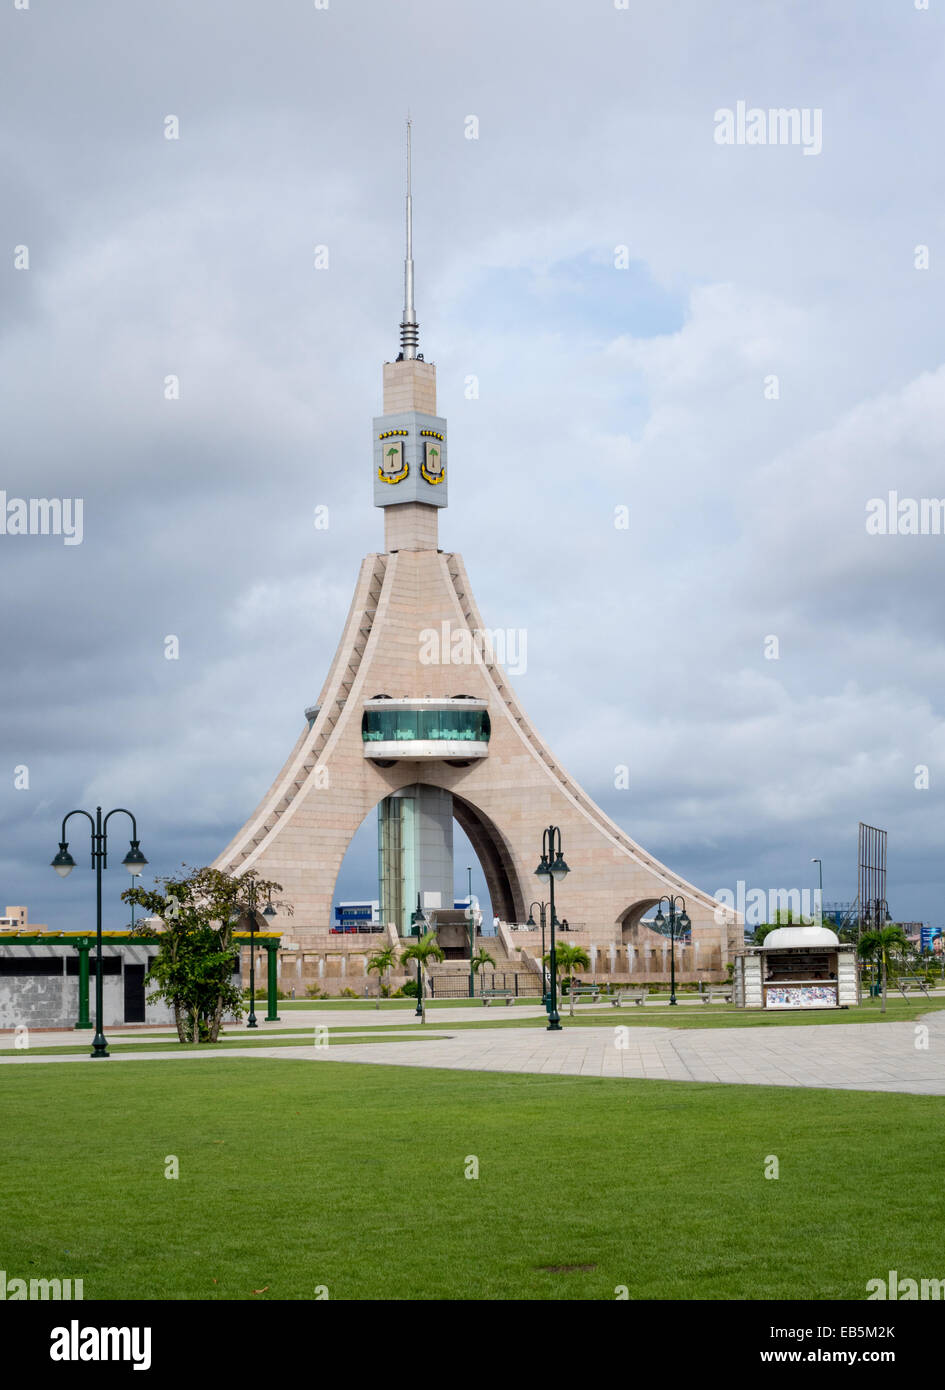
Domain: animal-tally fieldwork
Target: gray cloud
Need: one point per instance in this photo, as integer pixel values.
(598, 387)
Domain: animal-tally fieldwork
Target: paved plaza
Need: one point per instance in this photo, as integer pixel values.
(857, 1056)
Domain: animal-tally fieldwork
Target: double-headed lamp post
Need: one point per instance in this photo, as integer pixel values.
(416, 919)
(268, 911)
(659, 922)
(552, 869)
(134, 861)
(471, 918)
(531, 923)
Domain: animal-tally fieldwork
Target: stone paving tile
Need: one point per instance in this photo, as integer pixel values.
(879, 1057)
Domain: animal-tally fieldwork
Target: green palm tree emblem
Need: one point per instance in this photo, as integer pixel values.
(395, 468)
(429, 468)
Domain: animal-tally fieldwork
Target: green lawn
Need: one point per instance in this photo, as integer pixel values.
(708, 1016)
(336, 1038)
(295, 1174)
(898, 1010)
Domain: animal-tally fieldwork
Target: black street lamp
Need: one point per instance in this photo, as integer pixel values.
(268, 911)
(531, 923)
(470, 915)
(416, 918)
(134, 861)
(659, 923)
(553, 868)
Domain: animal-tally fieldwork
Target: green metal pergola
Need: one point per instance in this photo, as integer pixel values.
(83, 943)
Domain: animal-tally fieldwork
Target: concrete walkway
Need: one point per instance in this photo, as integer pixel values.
(857, 1056)
(302, 1021)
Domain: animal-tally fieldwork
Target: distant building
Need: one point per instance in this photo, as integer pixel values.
(16, 918)
(363, 916)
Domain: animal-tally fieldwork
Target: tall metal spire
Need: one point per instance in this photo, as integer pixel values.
(409, 330)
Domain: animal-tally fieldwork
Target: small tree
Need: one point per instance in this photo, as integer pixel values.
(383, 963)
(481, 958)
(422, 951)
(193, 969)
(877, 945)
(569, 958)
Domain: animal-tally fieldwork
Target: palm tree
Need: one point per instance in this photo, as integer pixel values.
(481, 958)
(422, 951)
(569, 958)
(877, 945)
(383, 962)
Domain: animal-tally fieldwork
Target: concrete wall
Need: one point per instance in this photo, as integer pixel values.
(52, 1001)
(847, 992)
(746, 982)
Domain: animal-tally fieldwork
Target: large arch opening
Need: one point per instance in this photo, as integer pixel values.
(478, 845)
(492, 851)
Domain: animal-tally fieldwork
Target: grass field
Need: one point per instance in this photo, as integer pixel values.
(898, 1010)
(294, 1175)
(709, 1016)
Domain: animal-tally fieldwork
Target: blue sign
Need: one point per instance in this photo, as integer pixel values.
(354, 912)
(927, 936)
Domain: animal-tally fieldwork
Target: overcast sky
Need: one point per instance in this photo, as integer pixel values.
(600, 386)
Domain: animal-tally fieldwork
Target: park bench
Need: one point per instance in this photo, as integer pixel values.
(717, 994)
(587, 991)
(488, 995)
(636, 995)
(906, 985)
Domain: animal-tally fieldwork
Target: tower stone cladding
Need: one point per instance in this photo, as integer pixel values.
(409, 601)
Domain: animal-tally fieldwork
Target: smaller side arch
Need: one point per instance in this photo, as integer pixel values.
(628, 923)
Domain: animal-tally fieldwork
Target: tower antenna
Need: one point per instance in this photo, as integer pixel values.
(409, 330)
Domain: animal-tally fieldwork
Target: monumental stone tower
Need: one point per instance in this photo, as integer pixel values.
(417, 718)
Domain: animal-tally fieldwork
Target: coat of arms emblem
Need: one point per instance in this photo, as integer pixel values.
(394, 467)
(432, 469)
